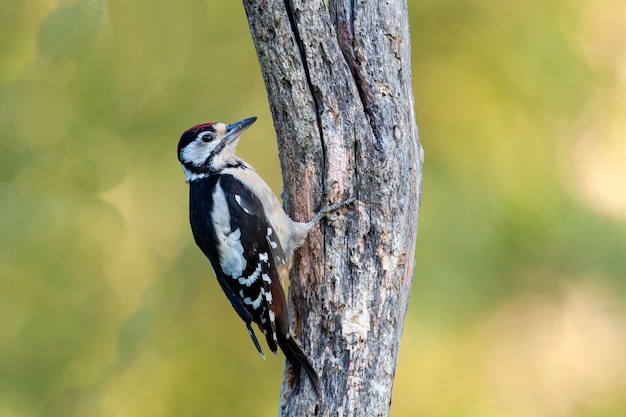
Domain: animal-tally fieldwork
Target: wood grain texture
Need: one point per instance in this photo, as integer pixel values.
(338, 80)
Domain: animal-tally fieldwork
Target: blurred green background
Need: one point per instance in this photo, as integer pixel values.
(107, 308)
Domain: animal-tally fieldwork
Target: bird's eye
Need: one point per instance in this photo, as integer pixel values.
(207, 137)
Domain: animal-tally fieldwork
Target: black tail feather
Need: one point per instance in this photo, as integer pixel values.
(255, 340)
(294, 353)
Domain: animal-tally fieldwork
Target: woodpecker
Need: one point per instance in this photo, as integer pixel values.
(240, 226)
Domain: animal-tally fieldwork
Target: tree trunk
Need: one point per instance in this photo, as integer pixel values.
(339, 87)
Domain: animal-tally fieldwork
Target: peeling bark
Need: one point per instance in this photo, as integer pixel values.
(339, 86)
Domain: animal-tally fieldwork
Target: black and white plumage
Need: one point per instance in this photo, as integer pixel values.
(240, 225)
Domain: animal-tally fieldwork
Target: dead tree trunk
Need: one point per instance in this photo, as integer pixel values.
(338, 79)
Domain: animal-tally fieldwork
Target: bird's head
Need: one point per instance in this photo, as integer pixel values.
(210, 147)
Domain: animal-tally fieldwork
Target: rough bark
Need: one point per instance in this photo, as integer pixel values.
(339, 85)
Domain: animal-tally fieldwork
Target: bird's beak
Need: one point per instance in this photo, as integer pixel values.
(234, 131)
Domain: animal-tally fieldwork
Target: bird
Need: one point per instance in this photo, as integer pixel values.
(240, 225)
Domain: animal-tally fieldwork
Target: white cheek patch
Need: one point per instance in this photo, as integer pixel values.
(229, 244)
(197, 152)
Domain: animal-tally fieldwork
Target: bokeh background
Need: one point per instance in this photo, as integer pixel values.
(107, 308)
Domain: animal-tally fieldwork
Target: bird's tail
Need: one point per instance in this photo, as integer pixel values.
(294, 353)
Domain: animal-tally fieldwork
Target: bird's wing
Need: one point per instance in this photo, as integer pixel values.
(255, 280)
